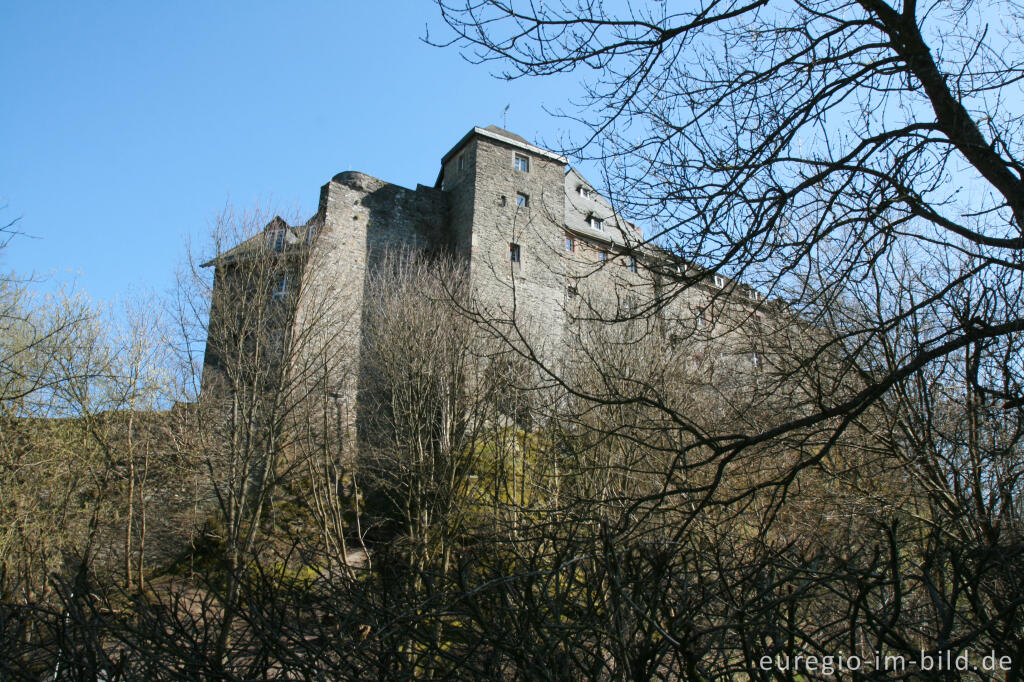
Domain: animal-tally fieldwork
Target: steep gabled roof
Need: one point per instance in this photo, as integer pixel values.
(257, 243)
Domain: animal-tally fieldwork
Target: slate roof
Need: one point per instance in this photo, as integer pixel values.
(579, 208)
(509, 134)
(259, 243)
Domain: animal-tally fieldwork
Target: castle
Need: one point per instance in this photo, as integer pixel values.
(541, 246)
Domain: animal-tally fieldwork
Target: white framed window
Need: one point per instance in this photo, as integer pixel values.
(719, 281)
(596, 224)
(522, 163)
(281, 288)
(275, 239)
(584, 192)
(522, 200)
(704, 318)
(515, 254)
(570, 243)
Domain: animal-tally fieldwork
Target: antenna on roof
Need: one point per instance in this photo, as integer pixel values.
(504, 117)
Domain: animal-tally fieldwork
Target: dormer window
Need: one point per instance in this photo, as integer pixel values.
(275, 239)
(584, 192)
(596, 224)
(522, 163)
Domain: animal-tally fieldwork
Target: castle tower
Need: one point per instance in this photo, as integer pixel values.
(507, 218)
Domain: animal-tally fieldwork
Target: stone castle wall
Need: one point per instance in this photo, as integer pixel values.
(568, 273)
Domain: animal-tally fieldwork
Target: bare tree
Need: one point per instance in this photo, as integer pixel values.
(794, 146)
(265, 347)
(860, 163)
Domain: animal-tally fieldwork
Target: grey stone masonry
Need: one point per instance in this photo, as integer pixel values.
(543, 249)
(508, 216)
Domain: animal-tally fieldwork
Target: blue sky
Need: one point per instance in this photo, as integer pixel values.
(127, 126)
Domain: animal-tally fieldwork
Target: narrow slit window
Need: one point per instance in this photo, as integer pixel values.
(514, 253)
(632, 263)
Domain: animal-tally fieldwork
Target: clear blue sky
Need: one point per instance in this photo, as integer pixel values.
(126, 126)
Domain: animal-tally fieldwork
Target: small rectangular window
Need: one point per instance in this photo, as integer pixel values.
(603, 255)
(572, 291)
(522, 163)
(462, 162)
(632, 263)
(570, 244)
(719, 281)
(514, 254)
(522, 200)
(597, 224)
